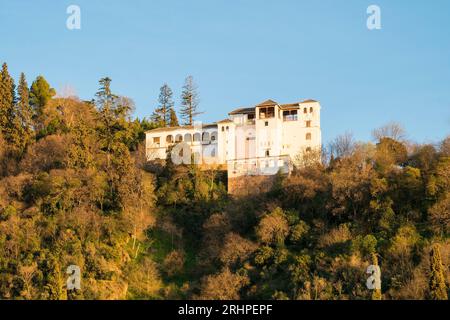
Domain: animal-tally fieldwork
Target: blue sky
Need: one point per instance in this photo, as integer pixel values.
(243, 52)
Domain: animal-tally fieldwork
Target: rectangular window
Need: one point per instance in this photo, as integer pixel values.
(266, 123)
(267, 153)
(308, 124)
(157, 141)
(290, 115)
(266, 113)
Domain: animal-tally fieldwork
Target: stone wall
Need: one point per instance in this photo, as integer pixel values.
(250, 185)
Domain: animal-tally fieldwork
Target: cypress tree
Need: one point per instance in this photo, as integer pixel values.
(24, 113)
(173, 118)
(7, 101)
(189, 101)
(438, 288)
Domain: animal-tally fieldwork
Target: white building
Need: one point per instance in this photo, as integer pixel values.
(260, 140)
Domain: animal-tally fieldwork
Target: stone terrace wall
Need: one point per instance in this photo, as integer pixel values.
(250, 185)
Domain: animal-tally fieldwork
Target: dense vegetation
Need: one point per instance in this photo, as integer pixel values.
(75, 189)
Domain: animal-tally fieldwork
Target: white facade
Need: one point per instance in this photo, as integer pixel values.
(262, 139)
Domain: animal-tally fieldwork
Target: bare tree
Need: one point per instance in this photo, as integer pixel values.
(342, 146)
(445, 147)
(391, 130)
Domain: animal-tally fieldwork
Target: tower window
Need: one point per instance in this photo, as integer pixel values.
(267, 153)
(308, 136)
(305, 110)
(266, 123)
(311, 109)
(308, 124)
(290, 115)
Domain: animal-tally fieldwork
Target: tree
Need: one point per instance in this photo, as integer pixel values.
(438, 288)
(7, 101)
(163, 114)
(173, 118)
(342, 146)
(445, 147)
(223, 286)
(189, 101)
(24, 115)
(114, 134)
(273, 228)
(392, 130)
(40, 94)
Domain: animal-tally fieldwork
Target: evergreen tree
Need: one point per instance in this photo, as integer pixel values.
(105, 100)
(173, 118)
(40, 94)
(114, 131)
(7, 101)
(438, 288)
(23, 119)
(162, 114)
(189, 101)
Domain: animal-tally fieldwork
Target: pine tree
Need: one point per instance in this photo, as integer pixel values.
(24, 113)
(173, 118)
(162, 114)
(438, 288)
(189, 101)
(40, 94)
(7, 101)
(114, 131)
(105, 101)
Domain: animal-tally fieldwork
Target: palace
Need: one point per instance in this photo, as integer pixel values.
(255, 141)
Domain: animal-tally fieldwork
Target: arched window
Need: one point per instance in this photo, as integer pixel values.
(188, 137)
(169, 139)
(305, 110)
(308, 136)
(311, 109)
(205, 137)
(197, 137)
(214, 136)
(179, 138)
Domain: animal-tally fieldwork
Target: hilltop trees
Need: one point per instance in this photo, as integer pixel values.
(82, 193)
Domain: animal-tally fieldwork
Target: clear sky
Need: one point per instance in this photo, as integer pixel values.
(244, 52)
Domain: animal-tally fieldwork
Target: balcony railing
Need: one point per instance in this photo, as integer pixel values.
(291, 117)
(259, 166)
